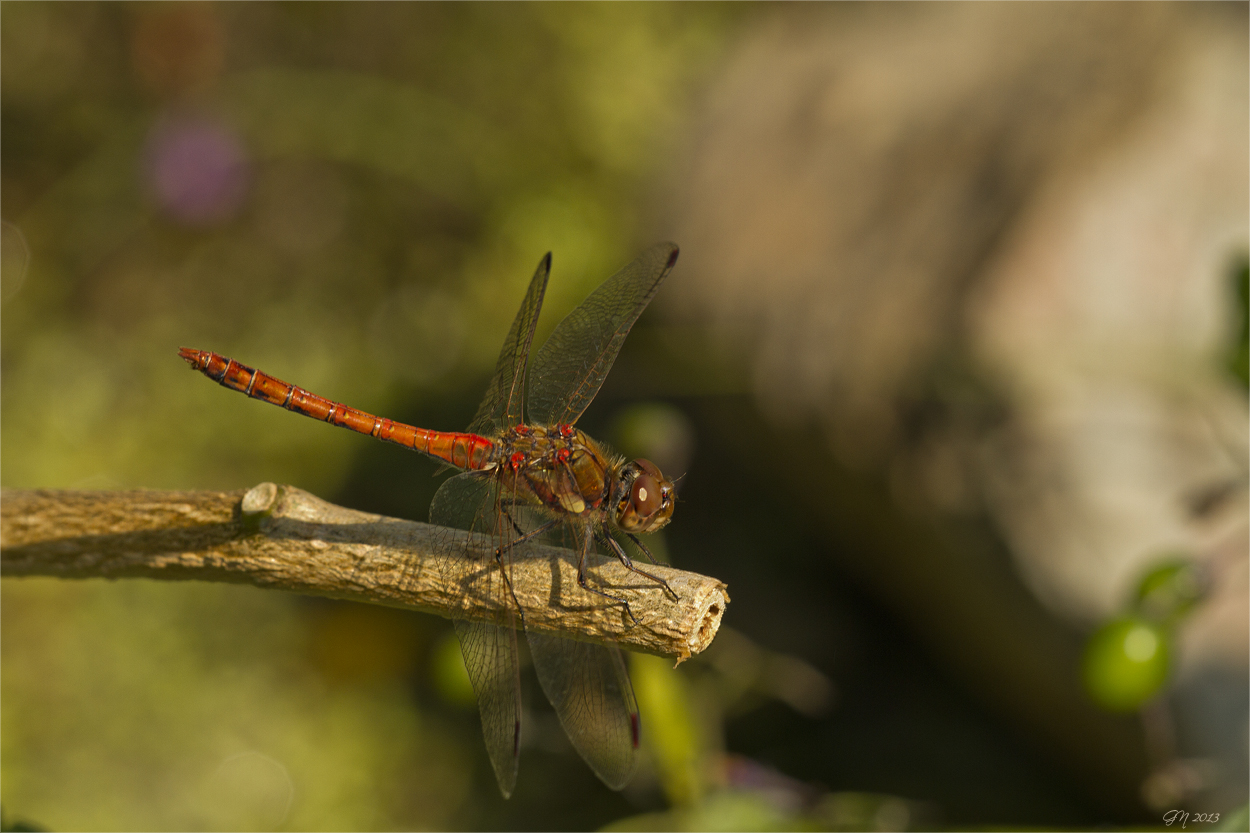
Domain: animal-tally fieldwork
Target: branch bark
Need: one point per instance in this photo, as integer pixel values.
(285, 538)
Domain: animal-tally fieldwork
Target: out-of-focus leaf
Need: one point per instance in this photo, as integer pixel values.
(1169, 591)
(451, 678)
(1239, 355)
(670, 729)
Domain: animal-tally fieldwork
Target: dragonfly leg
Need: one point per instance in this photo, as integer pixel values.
(629, 564)
(523, 537)
(507, 580)
(582, 583)
(647, 552)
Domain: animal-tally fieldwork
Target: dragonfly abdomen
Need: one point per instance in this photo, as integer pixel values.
(464, 451)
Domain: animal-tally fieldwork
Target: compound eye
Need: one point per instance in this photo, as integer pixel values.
(648, 467)
(644, 496)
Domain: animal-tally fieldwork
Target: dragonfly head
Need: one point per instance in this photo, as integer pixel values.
(643, 496)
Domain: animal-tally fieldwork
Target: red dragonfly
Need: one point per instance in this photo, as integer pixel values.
(529, 476)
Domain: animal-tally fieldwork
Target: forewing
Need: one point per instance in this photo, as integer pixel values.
(469, 501)
(588, 684)
(503, 403)
(570, 368)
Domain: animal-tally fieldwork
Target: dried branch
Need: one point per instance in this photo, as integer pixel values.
(285, 538)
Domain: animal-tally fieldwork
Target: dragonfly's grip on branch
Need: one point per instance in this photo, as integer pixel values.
(284, 538)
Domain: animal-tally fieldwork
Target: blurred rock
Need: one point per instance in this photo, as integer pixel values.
(984, 248)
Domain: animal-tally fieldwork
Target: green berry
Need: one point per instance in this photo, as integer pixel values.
(1126, 662)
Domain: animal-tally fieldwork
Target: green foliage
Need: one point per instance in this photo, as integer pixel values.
(1238, 819)
(1169, 591)
(1239, 357)
(8, 825)
(1128, 659)
(674, 738)
(1238, 361)
(451, 678)
(405, 166)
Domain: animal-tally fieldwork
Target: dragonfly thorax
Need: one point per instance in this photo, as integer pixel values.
(566, 471)
(556, 466)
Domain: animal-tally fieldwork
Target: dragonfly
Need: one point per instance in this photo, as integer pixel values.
(529, 476)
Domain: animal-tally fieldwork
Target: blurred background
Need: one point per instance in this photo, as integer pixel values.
(954, 362)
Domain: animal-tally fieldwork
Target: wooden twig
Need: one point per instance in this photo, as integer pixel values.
(285, 538)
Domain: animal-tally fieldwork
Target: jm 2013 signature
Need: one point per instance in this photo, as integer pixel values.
(1172, 816)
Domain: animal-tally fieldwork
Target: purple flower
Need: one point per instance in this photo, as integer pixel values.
(196, 169)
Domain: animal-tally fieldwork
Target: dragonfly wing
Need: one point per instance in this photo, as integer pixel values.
(502, 406)
(490, 655)
(570, 368)
(470, 502)
(589, 687)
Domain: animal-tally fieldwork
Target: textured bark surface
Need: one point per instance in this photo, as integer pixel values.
(285, 538)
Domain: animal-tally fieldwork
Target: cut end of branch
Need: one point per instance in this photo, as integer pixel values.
(259, 499)
(711, 610)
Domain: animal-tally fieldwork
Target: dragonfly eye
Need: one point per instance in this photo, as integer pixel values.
(649, 467)
(644, 495)
(648, 504)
